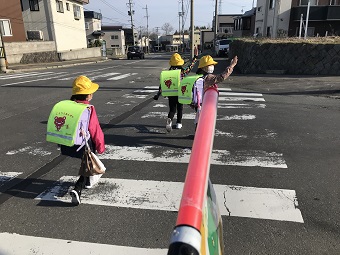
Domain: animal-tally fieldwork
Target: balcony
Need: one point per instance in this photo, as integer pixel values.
(317, 13)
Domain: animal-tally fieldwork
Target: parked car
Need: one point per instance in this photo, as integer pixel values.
(135, 52)
(222, 47)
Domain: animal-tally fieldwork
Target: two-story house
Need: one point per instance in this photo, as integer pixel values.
(278, 18)
(93, 26)
(61, 21)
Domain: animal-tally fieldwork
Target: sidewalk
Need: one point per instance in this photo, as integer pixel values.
(14, 68)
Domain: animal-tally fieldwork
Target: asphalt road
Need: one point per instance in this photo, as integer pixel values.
(275, 167)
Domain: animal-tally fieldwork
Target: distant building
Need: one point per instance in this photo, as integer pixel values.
(245, 25)
(114, 37)
(58, 21)
(282, 18)
(93, 27)
(225, 25)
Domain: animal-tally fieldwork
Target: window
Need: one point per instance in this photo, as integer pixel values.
(269, 31)
(87, 25)
(271, 4)
(312, 2)
(60, 6)
(259, 9)
(114, 37)
(76, 11)
(334, 2)
(67, 6)
(5, 27)
(114, 46)
(34, 5)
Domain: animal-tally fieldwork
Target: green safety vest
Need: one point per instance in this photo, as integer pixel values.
(170, 82)
(65, 122)
(185, 89)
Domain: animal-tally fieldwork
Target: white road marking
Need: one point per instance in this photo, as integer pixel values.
(236, 201)
(121, 76)
(28, 81)
(30, 150)
(7, 176)
(103, 75)
(191, 116)
(134, 96)
(145, 90)
(152, 87)
(160, 106)
(240, 94)
(219, 157)
(240, 106)
(224, 89)
(22, 245)
(25, 75)
(241, 99)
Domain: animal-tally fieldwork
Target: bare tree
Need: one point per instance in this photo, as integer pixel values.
(167, 28)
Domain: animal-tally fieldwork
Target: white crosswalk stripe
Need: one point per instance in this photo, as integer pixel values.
(218, 157)
(237, 201)
(121, 76)
(24, 245)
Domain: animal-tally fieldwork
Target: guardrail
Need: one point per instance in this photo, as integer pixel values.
(199, 225)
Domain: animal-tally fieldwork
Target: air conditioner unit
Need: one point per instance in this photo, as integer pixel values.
(35, 35)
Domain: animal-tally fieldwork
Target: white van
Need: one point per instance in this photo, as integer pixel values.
(222, 47)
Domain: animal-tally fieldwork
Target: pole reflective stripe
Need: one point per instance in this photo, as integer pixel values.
(195, 186)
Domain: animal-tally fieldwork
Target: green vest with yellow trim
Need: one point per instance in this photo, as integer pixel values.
(185, 89)
(170, 80)
(66, 122)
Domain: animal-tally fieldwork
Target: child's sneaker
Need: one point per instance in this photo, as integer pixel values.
(168, 125)
(179, 125)
(75, 197)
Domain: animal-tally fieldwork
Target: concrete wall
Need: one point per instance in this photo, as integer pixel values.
(297, 58)
(43, 52)
(79, 54)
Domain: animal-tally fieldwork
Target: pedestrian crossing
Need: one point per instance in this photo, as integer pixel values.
(22, 78)
(266, 203)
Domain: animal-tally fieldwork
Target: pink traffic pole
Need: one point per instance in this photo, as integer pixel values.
(196, 181)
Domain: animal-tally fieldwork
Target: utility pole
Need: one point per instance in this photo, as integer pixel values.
(130, 13)
(215, 25)
(183, 23)
(179, 27)
(192, 28)
(141, 38)
(147, 29)
(157, 38)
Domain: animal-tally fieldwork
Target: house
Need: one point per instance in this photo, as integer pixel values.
(272, 18)
(93, 27)
(114, 37)
(11, 21)
(245, 25)
(283, 18)
(324, 17)
(59, 21)
(225, 25)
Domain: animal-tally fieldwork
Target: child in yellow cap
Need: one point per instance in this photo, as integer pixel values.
(176, 62)
(82, 92)
(206, 67)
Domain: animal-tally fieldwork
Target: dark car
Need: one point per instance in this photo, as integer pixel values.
(135, 52)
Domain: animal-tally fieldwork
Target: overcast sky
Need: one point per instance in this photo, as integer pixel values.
(115, 12)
